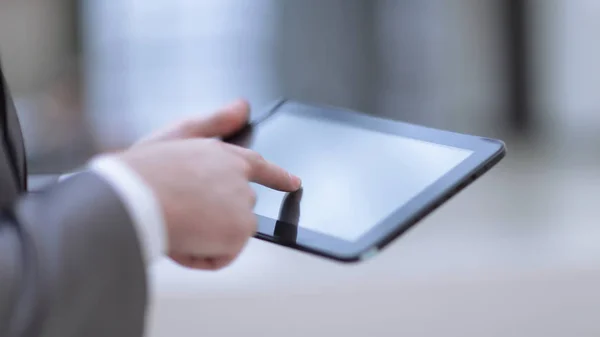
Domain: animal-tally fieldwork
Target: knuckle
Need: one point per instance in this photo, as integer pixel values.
(225, 262)
(216, 147)
(187, 127)
(252, 195)
(256, 157)
(244, 167)
(220, 121)
(217, 263)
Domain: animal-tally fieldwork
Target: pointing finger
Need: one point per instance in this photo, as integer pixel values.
(266, 173)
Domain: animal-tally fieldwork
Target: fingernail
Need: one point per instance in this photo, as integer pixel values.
(296, 181)
(237, 104)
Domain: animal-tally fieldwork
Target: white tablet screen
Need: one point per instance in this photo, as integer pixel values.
(353, 178)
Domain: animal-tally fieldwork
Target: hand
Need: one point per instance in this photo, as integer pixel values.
(225, 122)
(203, 186)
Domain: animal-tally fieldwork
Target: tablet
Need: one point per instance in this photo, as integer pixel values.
(366, 180)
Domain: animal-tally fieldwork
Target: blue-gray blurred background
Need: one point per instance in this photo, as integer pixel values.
(518, 254)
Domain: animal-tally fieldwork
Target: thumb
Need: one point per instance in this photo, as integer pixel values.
(225, 122)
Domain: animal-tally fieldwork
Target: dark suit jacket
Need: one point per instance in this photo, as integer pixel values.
(70, 261)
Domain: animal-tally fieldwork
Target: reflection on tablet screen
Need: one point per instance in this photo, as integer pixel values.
(286, 227)
(352, 178)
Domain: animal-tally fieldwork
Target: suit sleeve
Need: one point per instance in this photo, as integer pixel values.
(71, 264)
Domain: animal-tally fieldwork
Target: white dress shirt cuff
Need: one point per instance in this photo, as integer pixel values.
(140, 202)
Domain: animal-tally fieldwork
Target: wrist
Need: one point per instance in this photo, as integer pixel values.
(140, 201)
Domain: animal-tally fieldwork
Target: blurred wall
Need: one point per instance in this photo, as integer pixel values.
(433, 62)
(567, 51)
(39, 52)
(471, 66)
(162, 60)
(36, 41)
(566, 64)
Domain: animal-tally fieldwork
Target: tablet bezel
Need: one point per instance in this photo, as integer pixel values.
(486, 153)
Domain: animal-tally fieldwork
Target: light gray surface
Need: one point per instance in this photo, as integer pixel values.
(548, 304)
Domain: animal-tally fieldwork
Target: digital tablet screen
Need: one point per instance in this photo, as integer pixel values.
(353, 178)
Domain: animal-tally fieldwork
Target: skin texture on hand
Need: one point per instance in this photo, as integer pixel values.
(223, 123)
(203, 185)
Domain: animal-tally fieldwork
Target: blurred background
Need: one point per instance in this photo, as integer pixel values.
(518, 254)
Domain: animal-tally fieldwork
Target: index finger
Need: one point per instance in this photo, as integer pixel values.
(266, 173)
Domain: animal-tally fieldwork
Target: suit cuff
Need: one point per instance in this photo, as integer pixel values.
(139, 201)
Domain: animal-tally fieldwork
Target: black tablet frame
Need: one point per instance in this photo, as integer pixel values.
(486, 153)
